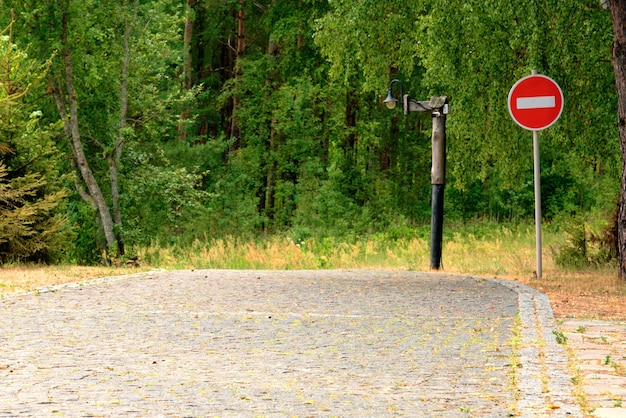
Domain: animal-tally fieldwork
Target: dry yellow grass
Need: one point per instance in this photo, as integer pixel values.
(24, 278)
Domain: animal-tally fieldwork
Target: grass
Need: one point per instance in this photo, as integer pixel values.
(492, 251)
(23, 278)
(501, 252)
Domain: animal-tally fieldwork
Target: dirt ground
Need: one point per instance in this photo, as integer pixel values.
(598, 307)
(589, 296)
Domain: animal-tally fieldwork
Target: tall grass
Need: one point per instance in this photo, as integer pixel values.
(494, 250)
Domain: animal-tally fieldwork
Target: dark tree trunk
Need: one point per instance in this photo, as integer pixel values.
(116, 156)
(352, 107)
(269, 199)
(235, 128)
(188, 64)
(618, 13)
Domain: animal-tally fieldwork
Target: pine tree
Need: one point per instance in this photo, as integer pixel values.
(31, 227)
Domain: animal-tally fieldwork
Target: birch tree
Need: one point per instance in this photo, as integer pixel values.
(108, 54)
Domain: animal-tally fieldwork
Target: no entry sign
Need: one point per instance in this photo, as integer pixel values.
(535, 102)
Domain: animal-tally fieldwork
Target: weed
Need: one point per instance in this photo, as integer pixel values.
(617, 367)
(560, 337)
(581, 328)
(515, 360)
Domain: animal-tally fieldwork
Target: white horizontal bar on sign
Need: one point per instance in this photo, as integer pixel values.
(537, 102)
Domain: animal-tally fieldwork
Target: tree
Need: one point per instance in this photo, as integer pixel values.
(187, 83)
(66, 99)
(618, 14)
(240, 49)
(474, 51)
(31, 226)
(283, 127)
(109, 83)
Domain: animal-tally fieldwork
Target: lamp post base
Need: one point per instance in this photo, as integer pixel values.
(436, 226)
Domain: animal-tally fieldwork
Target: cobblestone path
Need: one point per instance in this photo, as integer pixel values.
(278, 344)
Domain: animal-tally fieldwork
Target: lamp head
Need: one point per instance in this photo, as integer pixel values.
(390, 101)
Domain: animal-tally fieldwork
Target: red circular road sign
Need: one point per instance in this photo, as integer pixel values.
(535, 102)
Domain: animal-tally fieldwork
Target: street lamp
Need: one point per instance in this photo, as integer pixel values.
(391, 101)
(438, 106)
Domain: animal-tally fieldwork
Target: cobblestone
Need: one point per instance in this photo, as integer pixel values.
(599, 352)
(229, 343)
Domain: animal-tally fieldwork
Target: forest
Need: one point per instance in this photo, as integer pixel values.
(129, 123)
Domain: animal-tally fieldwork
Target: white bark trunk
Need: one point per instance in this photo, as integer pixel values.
(93, 189)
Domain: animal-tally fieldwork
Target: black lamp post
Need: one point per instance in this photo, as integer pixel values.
(438, 105)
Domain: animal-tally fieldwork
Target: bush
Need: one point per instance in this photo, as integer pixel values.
(587, 245)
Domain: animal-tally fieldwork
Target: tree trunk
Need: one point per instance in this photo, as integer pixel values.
(235, 128)
(60, 105)
(188, 36)
(387, 148)
(93, 189)
(115, 158)
(352, 108)
(269, 199)
(618, 13)
(188, 64)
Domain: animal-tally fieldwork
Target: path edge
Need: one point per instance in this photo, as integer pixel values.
(546, 388)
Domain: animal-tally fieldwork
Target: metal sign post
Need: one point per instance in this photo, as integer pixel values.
(537, 176)
(535, 103)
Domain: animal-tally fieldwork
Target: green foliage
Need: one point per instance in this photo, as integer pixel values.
(588, 245)
(87, 239)
(475, 51)
(161, 201)
(316, 155)
(32, 226)
(560, 337)
(365, 39)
